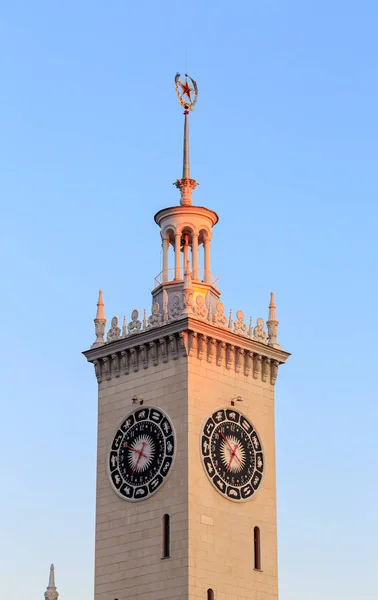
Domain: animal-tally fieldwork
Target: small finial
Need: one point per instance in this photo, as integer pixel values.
(230, 321)
(187, 267)
(99, 322)
(144, 319)
(250, 330)
(210, 315)
(187, 293)
(165, 311)
(124, 327)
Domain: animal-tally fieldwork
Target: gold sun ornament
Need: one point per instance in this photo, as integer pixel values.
(187, 91)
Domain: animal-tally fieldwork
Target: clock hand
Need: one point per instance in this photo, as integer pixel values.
(226, 440)
(135, 450)
(139, 457)
(229, 445)
(232, 456)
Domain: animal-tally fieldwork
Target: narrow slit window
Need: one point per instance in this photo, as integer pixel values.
(166, 536)
(210, 595)
(257, 548)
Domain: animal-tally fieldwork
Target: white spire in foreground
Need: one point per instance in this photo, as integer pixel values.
(51, 592)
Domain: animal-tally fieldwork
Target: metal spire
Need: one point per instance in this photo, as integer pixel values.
(187, 93)
(186, 163)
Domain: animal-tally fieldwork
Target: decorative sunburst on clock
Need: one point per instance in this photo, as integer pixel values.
(232, 454)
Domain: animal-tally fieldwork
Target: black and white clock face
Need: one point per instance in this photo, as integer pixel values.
(232, 454)
(142, 453)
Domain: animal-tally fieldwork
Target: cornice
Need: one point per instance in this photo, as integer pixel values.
(182, 210)
(136, 339)
(240, 341)
(186, 336)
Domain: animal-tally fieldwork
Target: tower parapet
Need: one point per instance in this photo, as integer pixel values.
(191, 328)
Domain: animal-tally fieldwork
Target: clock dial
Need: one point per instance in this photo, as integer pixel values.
(232, 455)
(142, 454)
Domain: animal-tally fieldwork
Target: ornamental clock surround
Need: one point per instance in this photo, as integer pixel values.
(232, 454)
(141, 454)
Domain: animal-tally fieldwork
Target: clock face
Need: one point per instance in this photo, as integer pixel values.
(142, 454)
(232, 455)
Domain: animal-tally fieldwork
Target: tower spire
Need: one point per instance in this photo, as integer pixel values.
(187, 93)
(51, 591)
(186, 163)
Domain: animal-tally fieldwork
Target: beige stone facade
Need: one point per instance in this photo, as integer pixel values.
(220, 531)
(128, 557)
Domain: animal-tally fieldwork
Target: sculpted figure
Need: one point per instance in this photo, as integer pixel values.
(135, 325)
(259, 333)
(220, 318)
(199, 307)
(114, 331)
(239, 325)
(155, 318)
(176, 309)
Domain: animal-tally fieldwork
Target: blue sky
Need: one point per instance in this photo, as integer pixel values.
(284, 145)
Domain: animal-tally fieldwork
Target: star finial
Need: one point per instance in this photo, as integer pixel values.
(186, 88)
(187, 93)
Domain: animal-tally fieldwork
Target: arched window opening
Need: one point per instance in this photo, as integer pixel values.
(166, 536)
(210, 595)
(257, 548)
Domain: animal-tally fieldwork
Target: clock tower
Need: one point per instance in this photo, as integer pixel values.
(186, 482)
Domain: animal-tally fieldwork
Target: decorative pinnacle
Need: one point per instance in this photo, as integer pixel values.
(51, 591)
(100, 315)
(52, 576)
(272, 324)
(272, 308)
(187, 94)
(100, 323)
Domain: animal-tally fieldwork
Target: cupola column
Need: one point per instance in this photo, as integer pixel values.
(206, 245)
(195, 255)
(165, 260)
(177, 254)
(186, 250)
